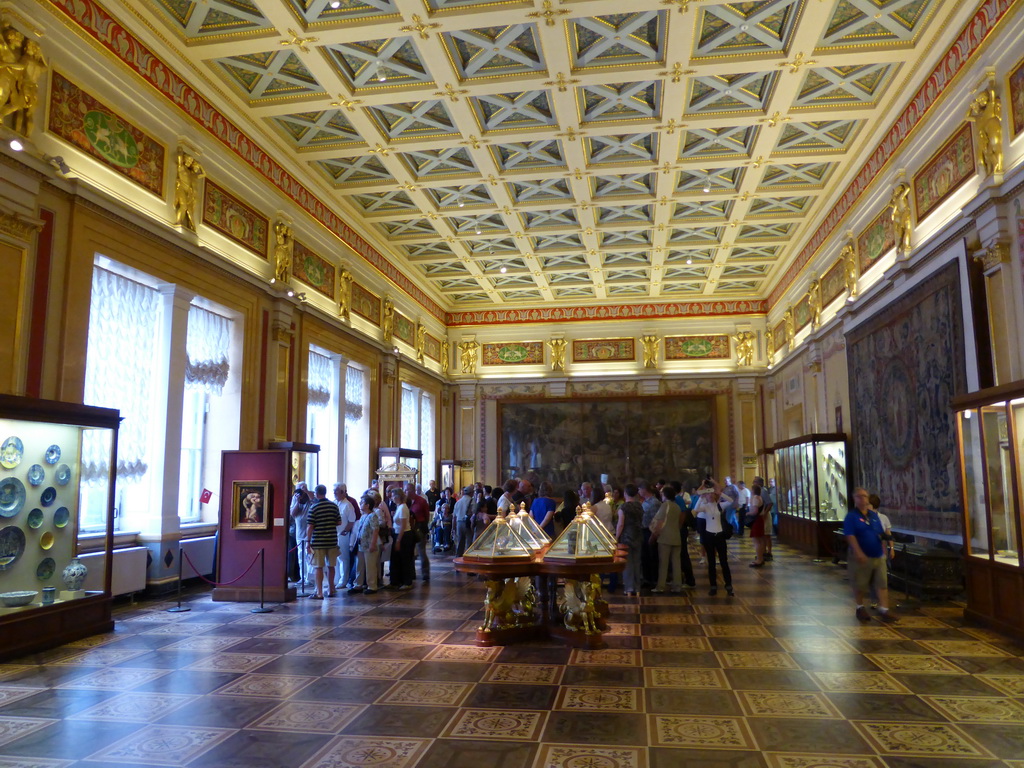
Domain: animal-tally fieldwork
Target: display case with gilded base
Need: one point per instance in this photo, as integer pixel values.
(57, 467)
(813, 492)
(990, 439)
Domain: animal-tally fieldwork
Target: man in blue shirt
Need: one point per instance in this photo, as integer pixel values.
(866, 556)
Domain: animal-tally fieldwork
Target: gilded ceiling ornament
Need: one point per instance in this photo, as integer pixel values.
(21, 65)
(421, 343)
(744, 347)
(902, 224)
(388, 323)
(671, 125)
(570, 134)
(185, 184)
(282, 251)
(987, 113)
(344, 293)
(666, 168)
(561, 82)
(349, 104)
(467, 355)
(682, 5)
(756, 164)
(548, 13)
(814, 302)
(797, 62)
(301, 42)
(650, 343)
(473, 142)
(451, 92)
(379, 150)
(774, 120)
(851, 269)
(420, 27)
(446, 355)
(677, 72)
(557, 347)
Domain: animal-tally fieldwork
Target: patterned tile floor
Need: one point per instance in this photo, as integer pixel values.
(780, 676)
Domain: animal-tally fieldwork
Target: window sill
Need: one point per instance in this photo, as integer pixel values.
(94, 542)
(197, 530)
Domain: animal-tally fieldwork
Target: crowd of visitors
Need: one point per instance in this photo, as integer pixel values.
(365, 545)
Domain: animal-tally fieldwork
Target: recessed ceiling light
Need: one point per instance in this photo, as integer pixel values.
(689, 261)
(16, 145)
(335, 4)
(461, 203)
(478, 231)
(503, 270)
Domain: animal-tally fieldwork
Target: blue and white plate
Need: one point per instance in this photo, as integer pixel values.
(52, 454)
(48, 496)
(12, 545)
(63, 474)
(12, 496)
(11, 452)
(35, 518)
(36, 475)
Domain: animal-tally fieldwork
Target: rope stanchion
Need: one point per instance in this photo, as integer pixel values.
(262, 608)
(178, 608)
(222, 583)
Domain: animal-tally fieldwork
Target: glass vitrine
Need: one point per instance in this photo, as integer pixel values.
(811, 477)
(584, 539)
(500, 542)
(990, 436)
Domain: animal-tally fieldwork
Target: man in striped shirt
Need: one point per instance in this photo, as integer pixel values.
(322, 535)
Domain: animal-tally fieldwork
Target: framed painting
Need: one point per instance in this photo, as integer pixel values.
(713, 347)
(432, 347)
(802, 314)
(314, 271)
(94, 128)
(1015, 97)
(603, 350)
(875, 241)
(513, 353)
(234, 219)
(405, 329)
(945, 172)
(249, 504)
(833, 283)
(365, 304)
(779, 334)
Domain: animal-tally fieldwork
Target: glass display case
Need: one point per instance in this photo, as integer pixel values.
(303, 460)
(523, 523)
(500, 542)
(57, 464)
(990, 442)
(585, 539)
(813, 490)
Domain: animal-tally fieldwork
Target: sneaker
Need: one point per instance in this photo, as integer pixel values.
(888, 617)
(862, 614)
(713, 591)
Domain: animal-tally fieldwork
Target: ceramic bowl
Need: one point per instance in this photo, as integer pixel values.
(16, 599)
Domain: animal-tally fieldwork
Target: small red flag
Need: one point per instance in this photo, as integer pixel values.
(205, 496)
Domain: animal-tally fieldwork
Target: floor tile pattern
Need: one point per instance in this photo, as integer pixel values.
(780, 676)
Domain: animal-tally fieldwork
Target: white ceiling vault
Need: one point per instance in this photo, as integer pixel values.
(543, 151)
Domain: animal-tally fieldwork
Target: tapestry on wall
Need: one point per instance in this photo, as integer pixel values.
(608, 440)
(905, 365)
(97, 130)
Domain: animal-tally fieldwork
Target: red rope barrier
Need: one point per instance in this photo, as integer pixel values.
(216, 583)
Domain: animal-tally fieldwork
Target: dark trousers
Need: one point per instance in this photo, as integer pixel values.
(422, 546)
(649, 559)
(403, 561)
(684, 557)
(716, 547)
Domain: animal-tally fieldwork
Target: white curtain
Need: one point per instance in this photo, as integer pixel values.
(427, 437)
(355, 386)
(207, 346)
(410, 416)
(124, 319)
(321, 381)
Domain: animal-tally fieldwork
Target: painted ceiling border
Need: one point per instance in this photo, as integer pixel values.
(109, 33)
(955, 59)
(702, 309)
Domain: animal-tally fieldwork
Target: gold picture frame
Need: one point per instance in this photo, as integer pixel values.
(249, 505)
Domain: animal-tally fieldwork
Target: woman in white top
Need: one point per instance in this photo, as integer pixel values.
(709, 526)
(403, 551)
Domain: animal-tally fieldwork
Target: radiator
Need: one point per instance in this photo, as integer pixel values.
(129, 570)
(200, 552)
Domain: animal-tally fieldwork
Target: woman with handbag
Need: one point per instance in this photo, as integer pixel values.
(715, 532)
(756, 522)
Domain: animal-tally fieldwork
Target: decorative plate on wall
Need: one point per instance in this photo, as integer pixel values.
(48, 496)
(46, 569)
(12, 496)
(63, 474)
(53, 454)
(35, 518)
(61, 517)
(46, 540)
(11, 452)
(12, 544)
(36, 475)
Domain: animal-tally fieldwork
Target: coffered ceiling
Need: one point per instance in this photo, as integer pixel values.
(535, 152)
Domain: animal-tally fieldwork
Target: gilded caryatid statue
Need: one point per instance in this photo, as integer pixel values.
(745, 347)
(467, 354)
(851, 270)
(814, 302)
(446, 356)
(557, 347)
(388, 321)
(650, 343)
(769, 343)
(344, 293)
(282, 252)
(421, 344)
(902, 225)
(186, 184)
(789, 323)
(986, 113)
(21, 66)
